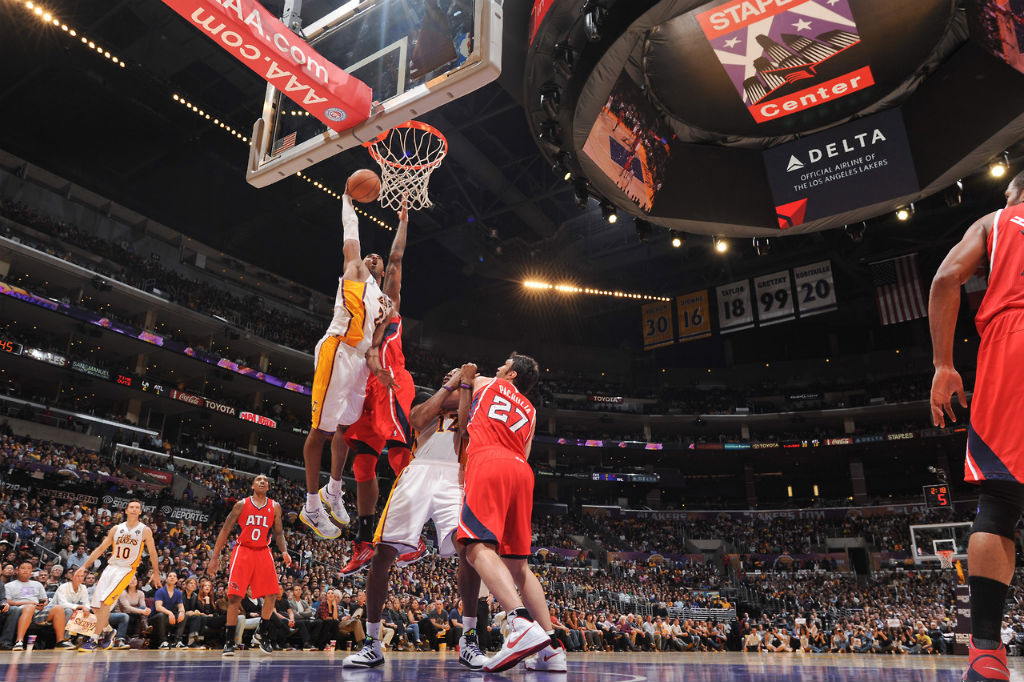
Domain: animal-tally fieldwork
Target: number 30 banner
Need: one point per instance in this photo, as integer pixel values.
(694, 316)
(815, 290)
(774, 298)
(734, 311)
(657, 322)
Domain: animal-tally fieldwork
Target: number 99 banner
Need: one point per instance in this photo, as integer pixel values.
(657, 325)
(773, 296)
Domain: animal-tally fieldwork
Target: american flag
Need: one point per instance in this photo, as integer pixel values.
(898, 290)
(286, 142)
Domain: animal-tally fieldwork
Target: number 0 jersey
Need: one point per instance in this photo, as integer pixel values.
(127, 551)
(256, 522)
(501, 418)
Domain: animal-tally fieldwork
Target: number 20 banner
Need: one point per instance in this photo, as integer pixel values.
(815, 289)
(773, 297)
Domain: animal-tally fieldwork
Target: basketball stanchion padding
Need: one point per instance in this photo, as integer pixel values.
(407, 155)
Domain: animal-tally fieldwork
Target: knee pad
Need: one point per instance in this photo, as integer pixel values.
(999, 507)
(398, 457)
(364, 467)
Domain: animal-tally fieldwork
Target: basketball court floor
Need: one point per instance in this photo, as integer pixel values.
(251, 666)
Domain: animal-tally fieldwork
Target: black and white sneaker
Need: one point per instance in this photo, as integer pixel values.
(469, 651)
(264, 645)
(370, 656)
(18, 646)
(229, 648)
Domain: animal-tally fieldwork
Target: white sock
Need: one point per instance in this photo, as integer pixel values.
(468, 623)
(335, 487)
(549, 632)
(312, 501)
(373, 630)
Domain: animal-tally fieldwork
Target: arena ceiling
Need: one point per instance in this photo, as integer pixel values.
(502, 212)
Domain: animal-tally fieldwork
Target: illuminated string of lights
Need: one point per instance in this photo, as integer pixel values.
(51, 19)
(536, 285)
(198, 111)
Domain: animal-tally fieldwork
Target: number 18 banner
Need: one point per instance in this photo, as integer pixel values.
(734, 311)
(657, 321)
(694, 316)
(774, 298)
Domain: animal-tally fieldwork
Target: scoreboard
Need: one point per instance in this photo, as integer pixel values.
(937, 495)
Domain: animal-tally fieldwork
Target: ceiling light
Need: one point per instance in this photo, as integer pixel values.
(565, 58)
(855, 231)
(551, 99)
(609, 213)
(593, 18)
(721, 246)
(581, 193)
(677, 239)
(954, 194)
(904, 213)
(762, 246)
(550, 133)
(1000, 166)
(561, 166)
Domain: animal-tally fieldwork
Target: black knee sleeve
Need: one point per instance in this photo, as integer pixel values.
(1000, 504)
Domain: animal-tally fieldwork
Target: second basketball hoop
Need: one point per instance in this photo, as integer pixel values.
(407, 155)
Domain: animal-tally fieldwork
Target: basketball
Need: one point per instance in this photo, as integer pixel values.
(363, 185)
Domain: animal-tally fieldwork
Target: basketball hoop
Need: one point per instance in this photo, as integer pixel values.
(945, 558)
(407, 155)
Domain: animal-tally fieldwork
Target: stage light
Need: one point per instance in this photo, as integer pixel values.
(565, 58)
(762, 246)
(954, 195)
(904, 213)
(721, 246)
(551, 99)
(550, 133)
(581, 193)
(593, 18)
(855, 231)
(677, 239)
(643, 229)
(561, 166)
(609, 213)
(1000, 166)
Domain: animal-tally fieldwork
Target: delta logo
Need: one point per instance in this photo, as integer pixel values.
(847, 145)
(787, 56)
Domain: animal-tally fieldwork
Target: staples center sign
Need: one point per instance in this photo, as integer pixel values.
(264, 44)
(787, 56)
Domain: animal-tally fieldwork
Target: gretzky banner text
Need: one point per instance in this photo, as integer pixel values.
(260, 41)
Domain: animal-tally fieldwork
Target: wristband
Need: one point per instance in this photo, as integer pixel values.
(449, 389)
(465, 386)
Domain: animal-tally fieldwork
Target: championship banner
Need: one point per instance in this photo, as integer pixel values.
(815, 290)
(657, 325)
(694, 318)
(774, 298)
(260, 41)
(734, 311)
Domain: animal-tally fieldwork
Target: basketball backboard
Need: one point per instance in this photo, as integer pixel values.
(416, 55)
(927, 540)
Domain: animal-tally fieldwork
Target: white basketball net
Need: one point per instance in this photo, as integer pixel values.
(945, 558)
(407, 155)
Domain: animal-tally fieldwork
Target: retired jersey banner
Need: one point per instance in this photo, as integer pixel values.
(694, 316)
(734, 310)
(815, 290)
(260, 41)
(773, 296)
(657, 323)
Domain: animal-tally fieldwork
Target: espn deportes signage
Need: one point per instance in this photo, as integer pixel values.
(858, 164)
(279, 56)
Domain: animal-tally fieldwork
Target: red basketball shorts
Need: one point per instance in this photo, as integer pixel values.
(252, 568)
(995, 437)
(498, 502)
(385, 417)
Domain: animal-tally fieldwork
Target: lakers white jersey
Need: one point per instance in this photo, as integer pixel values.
(127, 549)
(358, 308)
(435, 444)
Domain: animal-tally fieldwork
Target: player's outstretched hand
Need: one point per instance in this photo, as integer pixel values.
(286, 558)
(155, 580)
(468, 372)
(212, 566)
(403, 213)
(945, 384)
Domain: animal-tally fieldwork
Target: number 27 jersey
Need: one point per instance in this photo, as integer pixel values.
(501, 418)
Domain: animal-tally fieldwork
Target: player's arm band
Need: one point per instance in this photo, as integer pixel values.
(349, 221)
(466, 386)
(448, 388)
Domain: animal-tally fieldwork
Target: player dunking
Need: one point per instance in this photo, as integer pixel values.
(385, 418)
(429, 488)
(339, 383)
(252, 565)
(496, 514)
(995, 440)
(127, 539)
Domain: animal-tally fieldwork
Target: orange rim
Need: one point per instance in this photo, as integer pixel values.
(371, 145)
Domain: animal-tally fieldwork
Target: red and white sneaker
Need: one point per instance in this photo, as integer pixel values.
(362, 552)
(986, 665)
(525, 637)
(549, 660)
(413, 556)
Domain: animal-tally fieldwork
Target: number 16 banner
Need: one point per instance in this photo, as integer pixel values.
(694, 316)
(774, 298)
(815, 290)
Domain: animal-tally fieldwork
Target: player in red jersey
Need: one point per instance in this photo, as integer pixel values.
(384, 421)
(252, 566)
(494, 527)
(995, 439)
